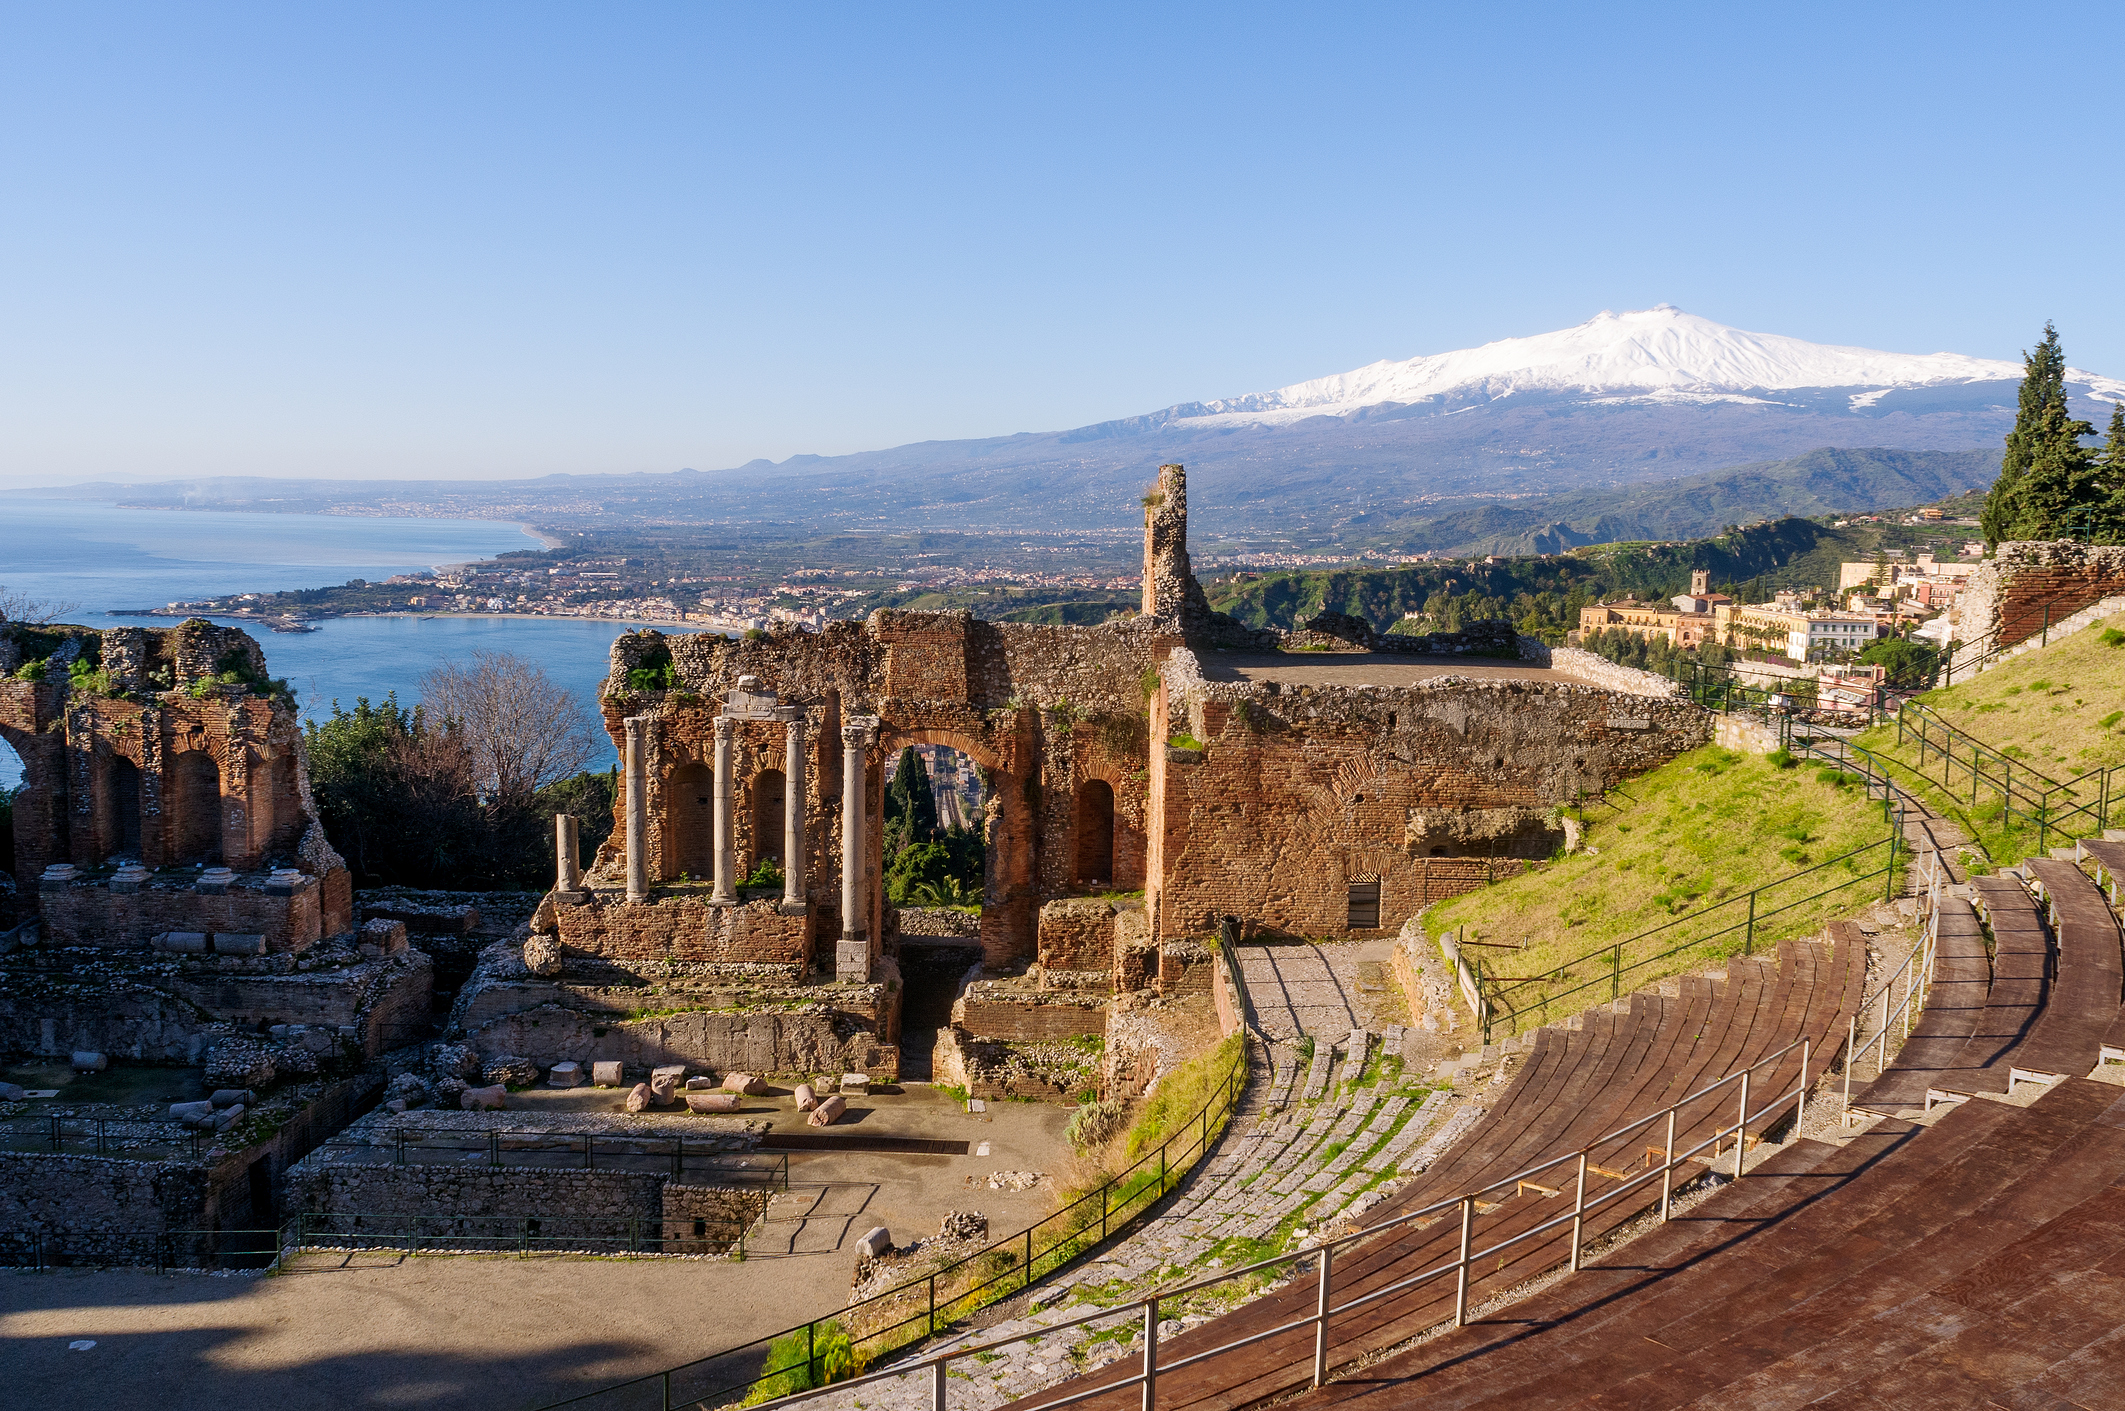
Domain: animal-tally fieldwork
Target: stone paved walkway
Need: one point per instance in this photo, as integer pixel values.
(1302, 988)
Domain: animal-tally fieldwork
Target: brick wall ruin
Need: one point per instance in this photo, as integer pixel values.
(2024, 587)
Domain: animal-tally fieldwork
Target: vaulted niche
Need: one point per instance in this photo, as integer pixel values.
(690, 818)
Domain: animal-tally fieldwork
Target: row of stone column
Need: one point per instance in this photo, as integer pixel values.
(852, 954)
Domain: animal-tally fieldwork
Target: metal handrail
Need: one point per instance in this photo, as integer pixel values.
(1494, 991)
(1325, 1308)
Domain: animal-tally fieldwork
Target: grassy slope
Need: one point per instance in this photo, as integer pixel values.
(2062, 709)
(1708, 826)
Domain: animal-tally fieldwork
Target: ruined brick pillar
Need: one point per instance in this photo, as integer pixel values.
(1170, 589)
(726, 889)
(637, 809)
(852, 956)
(793, 815)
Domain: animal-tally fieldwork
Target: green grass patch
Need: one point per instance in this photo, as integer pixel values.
(1182, 1094)
(1686, 846)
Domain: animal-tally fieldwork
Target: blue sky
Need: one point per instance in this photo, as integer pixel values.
(404, 240)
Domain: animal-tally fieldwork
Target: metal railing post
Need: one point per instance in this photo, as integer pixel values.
(1468, 1221)
(1851, 1037)
(937, 1387)
(1800, 1111)
(1579, 1212)
(933, 1305)
(1320, 1320)
(1151, 1352)
(1741, 1128)
(1748, 944)
(1667, 1170)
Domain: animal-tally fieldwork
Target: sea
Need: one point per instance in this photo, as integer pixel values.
(105, 560)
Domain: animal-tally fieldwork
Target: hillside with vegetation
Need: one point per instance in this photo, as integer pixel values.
(2056, 715)
(1679, 848)
(1544, 594)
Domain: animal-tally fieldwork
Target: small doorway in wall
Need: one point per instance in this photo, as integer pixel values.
(1364, 905)
(11, 792)
(194, 804)
(1095, 834)
(770, 795)
(125, 808)
(690, 817)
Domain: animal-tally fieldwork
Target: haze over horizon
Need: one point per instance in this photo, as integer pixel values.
(504, 242)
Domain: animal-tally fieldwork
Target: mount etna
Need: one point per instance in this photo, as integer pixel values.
(1650, 423)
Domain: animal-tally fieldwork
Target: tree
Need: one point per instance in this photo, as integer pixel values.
(2110, 482)
(520, 729)
(1908, 663)
(911, 801)
(2045, 471)
(18, 606)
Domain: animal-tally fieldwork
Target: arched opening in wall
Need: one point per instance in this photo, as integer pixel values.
(11, 794)
(1095, 833)
(770, 795)
(690, 822)
(124, 833)
(192, 803)
(936, 868)
(286, 802)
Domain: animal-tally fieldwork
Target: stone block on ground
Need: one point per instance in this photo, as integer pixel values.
(90, 1061)
(242, 943)
(564, 1075)
(484, 1099)
(806, 1098)
(664, 1083)
(181, 942)
(744, 1083)
(607, 1074)
(701, 1085)
(875, 1242)
(192, 1113)
(230, 1097)
(856, 1084)
(542, 956)
(711, 1102)
(828, 1111)
(639, 1098)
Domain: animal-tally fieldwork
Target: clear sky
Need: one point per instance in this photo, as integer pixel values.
(410, 240)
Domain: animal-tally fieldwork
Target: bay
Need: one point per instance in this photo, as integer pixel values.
(103, 559)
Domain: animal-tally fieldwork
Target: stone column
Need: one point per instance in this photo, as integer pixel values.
(793, 815)
(565, 870)
(852, 957)
(726, 889)
(637, 808)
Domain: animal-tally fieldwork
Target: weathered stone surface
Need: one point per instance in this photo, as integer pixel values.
(230, 1097)
(565, 1075)
(192, 1113)
(606, 1074)
(806, 1099)
(712, 1102)
(828, 1111)
(491, 1098)
(639, 1098)
(510, 1071)
(181, 942)
(743, 1083)
(963, 1225)
(240, 1063)
(90, 1061)
(664, 1083)
(702, 1085)
(542, 956)
(238, 943)
(876, 1241)
(454, 1061)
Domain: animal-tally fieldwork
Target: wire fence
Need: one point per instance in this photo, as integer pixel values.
(824, 1350)
(676, 1156)
(84, 1136)
(718, 1231)
(140, 1249)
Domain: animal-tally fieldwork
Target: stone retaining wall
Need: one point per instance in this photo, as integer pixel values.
(2013, 595)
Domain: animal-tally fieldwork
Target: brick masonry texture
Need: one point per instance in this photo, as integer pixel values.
(2023, 586)
(381, 1199)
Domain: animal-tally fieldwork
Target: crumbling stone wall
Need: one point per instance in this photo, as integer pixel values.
(158, 775)
(681, 928)
(1304, 790)
(91, 1195)
(93, 911)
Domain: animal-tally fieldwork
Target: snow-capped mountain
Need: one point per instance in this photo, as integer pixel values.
(1660, 354)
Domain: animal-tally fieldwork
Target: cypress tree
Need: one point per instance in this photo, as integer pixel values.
(2045, 471)
(2043, 370)
(2109, 482)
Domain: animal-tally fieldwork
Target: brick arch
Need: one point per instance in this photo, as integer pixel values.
(1128, 819)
